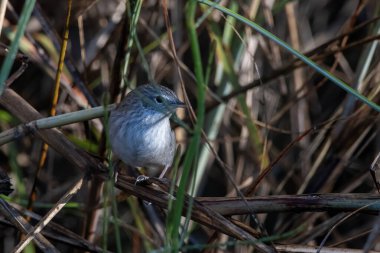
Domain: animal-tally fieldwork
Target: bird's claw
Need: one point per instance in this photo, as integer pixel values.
(142, 180)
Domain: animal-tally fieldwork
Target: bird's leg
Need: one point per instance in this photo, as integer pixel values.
(164, 172)
(162, 176)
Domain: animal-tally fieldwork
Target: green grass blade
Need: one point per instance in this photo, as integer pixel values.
(9, 59)
(299, 55)
(175, 213)
(132, 33)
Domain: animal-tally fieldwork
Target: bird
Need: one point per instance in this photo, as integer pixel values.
(139, 128)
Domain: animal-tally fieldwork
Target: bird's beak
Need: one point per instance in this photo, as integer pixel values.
(174, 106)
(180, 104)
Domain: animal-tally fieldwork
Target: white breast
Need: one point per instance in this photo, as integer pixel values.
(150, 144)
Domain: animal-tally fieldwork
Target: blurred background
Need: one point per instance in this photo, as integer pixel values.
(264, 108)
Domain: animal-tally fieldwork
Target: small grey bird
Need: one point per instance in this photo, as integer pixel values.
(139, 128)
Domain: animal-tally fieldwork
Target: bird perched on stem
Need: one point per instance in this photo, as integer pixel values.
(139, 128)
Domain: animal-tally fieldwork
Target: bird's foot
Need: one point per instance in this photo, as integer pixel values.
(142, 180)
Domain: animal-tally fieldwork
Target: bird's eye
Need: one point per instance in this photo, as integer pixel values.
(159, 99)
